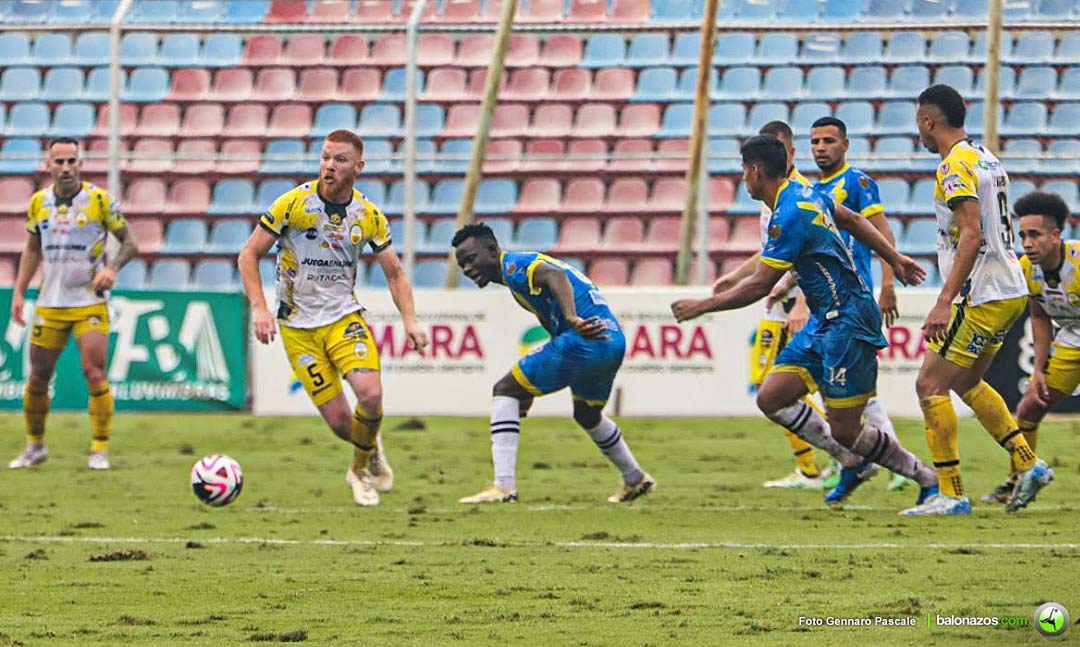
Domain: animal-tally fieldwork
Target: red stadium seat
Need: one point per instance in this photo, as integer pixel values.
(597, 151)
(502, 147)
(543, 11)
(571, 84)
(477, 79)
(203, 120)
(639, 120)
(348, 49)
(461, 120)
(373, 11)
(609, 272)
(493, 11)
(435, 50)
(641, 147)
(275, 84)
(202, 147)
(522, 51)
(307, 50)
(190, 85)
(148, 233)
(290, 120)
(100, 164)
(159, 120)
(161, 150)
(390, 51)
(459, 11)
(360, 84)
(579, 235)
(627, 195)
(721, 194)
(145, 196)
(234, 84)
(539, 195)
(13, 234)
(562, 50)
(594, 120)
(554, 147)
(509, 120)
(445, 84)
(246, 120)
(710, 271)
(318, 84)
(552, 120)
(679, 147)
(476, 50)
(624, 233)
(652, 271)
(246, 147)
(718, 232)
(263, 49)
(668, 194)
(286, 11)
(329, 11)
(15, 193)
(588, 11)
(745, 236)
(188, 197)
(584, 195)
(128, 119)
(7, 272)
(407, 7)
(663, 234)
(614, 84)
(630, 11)
(529, 84)
(730, 264)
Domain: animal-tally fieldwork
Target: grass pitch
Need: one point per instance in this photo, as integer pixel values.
(131, 557)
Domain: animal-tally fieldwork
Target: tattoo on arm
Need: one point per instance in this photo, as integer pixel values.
(129, 249)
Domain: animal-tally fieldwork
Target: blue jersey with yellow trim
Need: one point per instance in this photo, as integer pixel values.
(518, 269)
(856, 191)
(803, 238)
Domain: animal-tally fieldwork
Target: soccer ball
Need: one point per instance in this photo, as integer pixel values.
(216, 480)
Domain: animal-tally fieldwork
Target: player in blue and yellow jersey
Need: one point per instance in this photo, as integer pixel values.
(322, 227)
(837, 352)
(585, 352)
(69, 223)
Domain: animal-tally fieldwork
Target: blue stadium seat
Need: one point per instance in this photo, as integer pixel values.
(373, 190)
(972, 9)
(284, 147)
(842, 11)
(921, 201)
(438, 237)
(74, 12)
(30, 154)
(804, 157)
(233, 197)
(457, 147)
(270, 190)
(425, 147)
(62, 84)
(1027, 118)
(395, 202)
(20, 84)
(430, 274)
(132, 276)
(825, 83)
(446, 199)
(920, 237)
(821, 47)
(267, 271)
(687, 49)
(536, 234)
(1070, 84)
(733, 49)
(759, 10)
(97, 84)
(687, 88)
(897, 228)
(397, 233)
(229, 236)
(28, 120)
(1023, 146)
(311, 166)
(679, 10)
(1033, 47)
(496, 196)
(73, 120)
(959, 77)
(503, 228)
(867, 83)
(805, 114)
(139, 48)
(729, 148)
(778, 49)
(949, 47)
(16, 48)
(376, 148)
(184, 236)
(146, 85)
(1066, 189)
(763, 113)
(180, 50)
(211, 11)
(222, 50)
(393, 85)
(782, 83)
(52, 49)
(744, 205)
(978, 47)
(1013, 11)
(724, 119)
(676, 121)
(907, 82)
(380, 120)
(1065, 120)
(1036, 83)
(739, 83)
(647, 50)
(331, 116)
(657, 84)
(1018, 188)
(158, 12)
(1006, 82)
(31, 13)
(604, 50)
(248, 12)
(929, 10)
(375, 278)
(906, 47)
(858, 116)
(862, 47)
(430, 120)
(1059, 167)
(1061, 10)
(901, 146)
(169, 275)
(215, 276)
(973, 122)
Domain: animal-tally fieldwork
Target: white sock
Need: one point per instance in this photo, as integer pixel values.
(874, 415)
(801, 420)
(505, 434)
(609, 440)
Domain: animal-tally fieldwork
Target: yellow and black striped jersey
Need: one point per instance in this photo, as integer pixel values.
(1058, 291)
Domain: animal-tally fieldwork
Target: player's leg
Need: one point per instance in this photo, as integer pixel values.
(47, 340)
(92, 339)
(875, 415)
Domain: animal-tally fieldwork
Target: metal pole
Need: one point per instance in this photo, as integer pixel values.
(993, 76)
(697, 143)
(410, 138)
(479, 144)
(114, 98)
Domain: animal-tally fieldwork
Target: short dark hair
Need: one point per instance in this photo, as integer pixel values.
(62, 140)
(343, 136)
(475, 230)
(948, 101)
(1043, 203)
(776, 129)
(769, 152)
(831, 121)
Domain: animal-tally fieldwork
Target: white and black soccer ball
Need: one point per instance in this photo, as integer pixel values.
(216, 479)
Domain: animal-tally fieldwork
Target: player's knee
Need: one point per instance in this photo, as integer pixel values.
(370, 399)
(93, 373)
(507, 387)
(769, 401)
(341, 425)
(1030, 409)
(587, 417)
(927, 384)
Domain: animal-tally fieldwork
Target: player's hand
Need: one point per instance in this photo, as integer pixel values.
(797, 318)
(1038, 390)
(887, 301)
(937, 322)
(592, 328)
(265, 327)
(104, 280)
(418, 340)
(908, 271)
(18, 301)
(687, 309)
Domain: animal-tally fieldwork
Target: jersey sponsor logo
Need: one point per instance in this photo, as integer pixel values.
(1074, 299)
(944, 168)
(953, 183)
(325, 262)
(355, 330)
(356, 234)
(335, 219)
(81, 218)
(311, 234)
(774, 231)
(305, 360)
(864, 182)
(360, 350)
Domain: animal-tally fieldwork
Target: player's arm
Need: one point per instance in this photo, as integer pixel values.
(554, 280)
(728, 281)
(129, 249)
(907, 270)
(257, 246)
(1042, 332)
(887, 298)
(401, 293)
(753, 288)
(28, 265)
(968, 223)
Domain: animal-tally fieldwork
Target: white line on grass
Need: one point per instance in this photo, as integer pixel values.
(43, 539)
(607, 507)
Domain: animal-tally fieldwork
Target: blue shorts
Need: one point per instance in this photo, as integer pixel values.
(842, 367)
(588, 367)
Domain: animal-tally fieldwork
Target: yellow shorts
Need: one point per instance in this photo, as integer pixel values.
(1063, 369)
(319, 356)
(769, 340)
(52, 326)
(977, 331)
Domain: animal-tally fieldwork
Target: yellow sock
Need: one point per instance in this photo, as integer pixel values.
(35, 409)
(942, 431)
(1030, 430)
(365, 427)
(101, 414)
(994, 416)
(803, 451)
